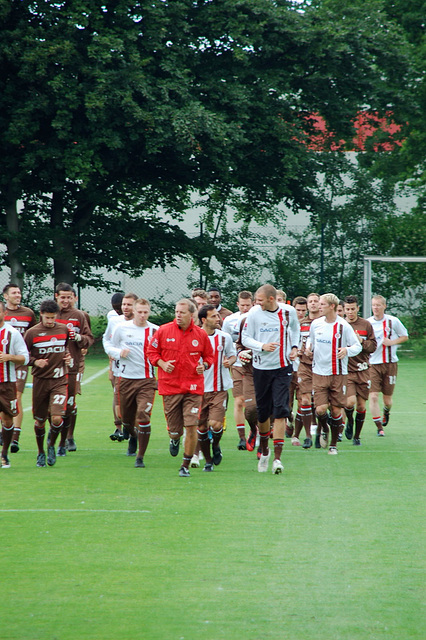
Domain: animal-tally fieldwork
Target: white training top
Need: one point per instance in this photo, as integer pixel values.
(388, 327)
(280, 326)
(231, 325)
(13, 343)
(128, 336)
(326, 338)
(113, 322)
(218, 377)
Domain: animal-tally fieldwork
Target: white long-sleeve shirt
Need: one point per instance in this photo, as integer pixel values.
(387, 327)
(261, 327)
(127, 335)
(217, 377)
(231, 325)
(326, 338)
(11, 342)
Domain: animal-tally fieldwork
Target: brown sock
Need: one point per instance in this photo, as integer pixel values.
(306, 413)
(359, 423)
(264, 440)
(144, 434)
(204, 442)
(278, 447)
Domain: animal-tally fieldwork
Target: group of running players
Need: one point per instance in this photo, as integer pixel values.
(308, 365)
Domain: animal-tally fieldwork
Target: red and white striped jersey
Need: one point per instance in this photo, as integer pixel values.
(326, 339)
(127, 335)
(261, 327)
(388, 327)
(218, 377)
(11, 342)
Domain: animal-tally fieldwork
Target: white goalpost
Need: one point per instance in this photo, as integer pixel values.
(368, 260)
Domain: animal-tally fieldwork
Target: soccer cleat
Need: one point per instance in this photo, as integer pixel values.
(381, 433)
(307, 443)
(183, 472)
(174, 447)
(357, 442)
(208, 466)
(277, 467)
(339, 438)
(242, 444)
(133, 445)
(317, 441)
(295, 441)
(41, 460)
(349, 430)
(251, 441)
(323, 439)
(71, 446)
(61, 452)
(14, 447)
(386, 416)
(117, 436)
(217, 456)
(51, 456)
(195, 462)
(332, 451)
(5, 464)
(139, 463)
(262, 465)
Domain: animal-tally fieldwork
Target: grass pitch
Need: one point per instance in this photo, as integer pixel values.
(331, 549)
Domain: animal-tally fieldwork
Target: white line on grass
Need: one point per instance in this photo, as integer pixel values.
(95, 375)
(74, 511)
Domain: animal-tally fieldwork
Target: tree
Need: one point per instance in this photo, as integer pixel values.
(109, 112)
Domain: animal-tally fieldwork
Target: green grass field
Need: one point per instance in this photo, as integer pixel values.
(331, 549)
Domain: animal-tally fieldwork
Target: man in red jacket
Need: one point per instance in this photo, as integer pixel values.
(182, 352)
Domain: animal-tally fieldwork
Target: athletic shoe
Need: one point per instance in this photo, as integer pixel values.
(51, 456)
(386, 417)
(217, 456)
(381, 433)
(332, 451)
(117, 436)
(357, 442)
(277, 467)
(14, 447)
(349, 431)
(262, 465)
(41, 460)
(324, 439)
(133, 445)
(71, 446)
(139, 463)
(317, 441)
(251, 441)
(242, 444)
(183, 472)
(174, 447)
(61, 452)
(339, 438)
(208, 466)
(307, 443)
(295, 441)
(195, 462)
(5, 464)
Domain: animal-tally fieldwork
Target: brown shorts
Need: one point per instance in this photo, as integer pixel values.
(182, 410)
(359, 384)
(49, 397)
(136, 399)
(237, 377)
(21, 377)
(213, 407)
(304, 379)
(8, 402)
(383, 377)
(329, 390)
(248, 390)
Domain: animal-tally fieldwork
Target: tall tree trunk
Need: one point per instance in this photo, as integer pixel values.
(63, 250)
(12, 225)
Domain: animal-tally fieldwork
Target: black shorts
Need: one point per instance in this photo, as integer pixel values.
(272, 388)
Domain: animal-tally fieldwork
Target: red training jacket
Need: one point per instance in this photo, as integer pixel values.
(186, 348)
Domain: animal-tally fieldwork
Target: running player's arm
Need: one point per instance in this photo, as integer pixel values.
(369, 345)
(400, 331)
(230, 352)
(86, 336)
(19, 352)
(294, 326)
(353, 346)
(115, 349)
